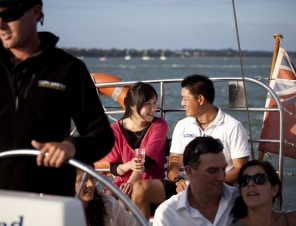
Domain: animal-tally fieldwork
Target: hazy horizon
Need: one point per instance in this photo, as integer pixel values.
(171, 24)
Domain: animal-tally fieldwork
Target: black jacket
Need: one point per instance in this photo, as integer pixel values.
(38, 99)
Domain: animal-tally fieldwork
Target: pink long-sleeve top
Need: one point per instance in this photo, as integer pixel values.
(154, 144)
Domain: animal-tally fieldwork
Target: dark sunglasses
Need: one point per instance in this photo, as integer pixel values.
(258, 178)
(14, 13)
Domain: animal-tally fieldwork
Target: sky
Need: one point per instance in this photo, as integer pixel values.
(171, 24)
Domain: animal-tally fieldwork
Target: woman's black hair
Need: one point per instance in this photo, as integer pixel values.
(239, 209)
(95, 211)
(137, 95)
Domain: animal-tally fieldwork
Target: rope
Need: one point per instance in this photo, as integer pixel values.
(243, 77)
(293, 114)
(259, 78)
(284, 172)
(106, 110)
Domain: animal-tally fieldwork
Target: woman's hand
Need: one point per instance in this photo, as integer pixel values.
(126, 188)
(137, 165)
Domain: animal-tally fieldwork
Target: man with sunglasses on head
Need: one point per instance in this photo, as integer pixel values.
(42, 90)
(207, 200)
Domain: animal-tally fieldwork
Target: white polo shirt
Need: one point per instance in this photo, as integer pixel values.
(229, 130)
(177, 211)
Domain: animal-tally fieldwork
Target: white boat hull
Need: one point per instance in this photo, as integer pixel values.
(24, 208)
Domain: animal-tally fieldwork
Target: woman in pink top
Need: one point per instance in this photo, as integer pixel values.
(138, 128)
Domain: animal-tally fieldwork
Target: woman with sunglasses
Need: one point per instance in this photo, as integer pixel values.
(101, 209)
(260, 186)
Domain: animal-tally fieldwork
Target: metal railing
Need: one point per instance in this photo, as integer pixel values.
(87, 170)
(163, 110)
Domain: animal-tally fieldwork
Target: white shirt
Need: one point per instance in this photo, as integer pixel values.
(116, 215)
(177, 211)
(229, 130)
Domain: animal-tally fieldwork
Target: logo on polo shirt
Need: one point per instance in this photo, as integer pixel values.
(189, 135)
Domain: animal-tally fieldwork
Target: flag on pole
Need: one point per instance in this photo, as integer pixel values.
(284, 72)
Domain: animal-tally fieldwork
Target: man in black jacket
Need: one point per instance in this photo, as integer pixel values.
(42, 88)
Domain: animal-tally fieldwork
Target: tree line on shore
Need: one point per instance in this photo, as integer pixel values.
(168, 53)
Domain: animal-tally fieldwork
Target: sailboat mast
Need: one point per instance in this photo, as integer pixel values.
(278, 38)
(277, 41)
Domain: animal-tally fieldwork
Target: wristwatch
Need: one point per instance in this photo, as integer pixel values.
(178, 178)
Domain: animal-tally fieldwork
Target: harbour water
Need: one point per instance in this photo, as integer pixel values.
(136, 70)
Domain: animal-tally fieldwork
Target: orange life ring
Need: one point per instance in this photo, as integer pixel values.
(118, 93)
(103, 164)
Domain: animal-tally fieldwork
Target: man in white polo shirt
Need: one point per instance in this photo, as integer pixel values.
(207, 200)
(206, 119)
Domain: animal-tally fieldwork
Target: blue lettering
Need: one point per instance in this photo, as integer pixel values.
(20, 223)
(189, 135)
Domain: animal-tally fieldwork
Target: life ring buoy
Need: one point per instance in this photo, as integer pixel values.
(118, 93)
(103, 164)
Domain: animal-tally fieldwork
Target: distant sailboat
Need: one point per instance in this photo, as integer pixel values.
(127, 55)
(80, 57)
(104, 58)
(145, 55)
(162, 56)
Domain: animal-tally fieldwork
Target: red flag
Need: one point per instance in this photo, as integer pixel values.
(284, 71)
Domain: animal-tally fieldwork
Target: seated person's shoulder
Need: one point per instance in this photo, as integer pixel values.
(232, 120)
(186, 122)
(173, 200)
(292, 217)
(108, 199)
(160, 121)
(110, 203)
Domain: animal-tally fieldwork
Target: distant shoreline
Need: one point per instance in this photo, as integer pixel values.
(156, 53)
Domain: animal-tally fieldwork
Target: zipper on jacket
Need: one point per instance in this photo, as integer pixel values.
(17, 99)
(29, 84)
(17, 102)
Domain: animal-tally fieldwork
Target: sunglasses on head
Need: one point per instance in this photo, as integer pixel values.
(14, 13)
(258, 178)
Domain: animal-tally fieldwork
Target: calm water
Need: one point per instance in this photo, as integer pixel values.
(136, 70)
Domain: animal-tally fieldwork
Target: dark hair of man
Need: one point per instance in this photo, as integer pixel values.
(137, 95)
(239, 209)
(199, 146)
(199, 85)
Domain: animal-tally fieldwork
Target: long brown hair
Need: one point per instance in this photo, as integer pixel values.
(95, 210)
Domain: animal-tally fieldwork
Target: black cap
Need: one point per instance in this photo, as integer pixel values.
(12, 3)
